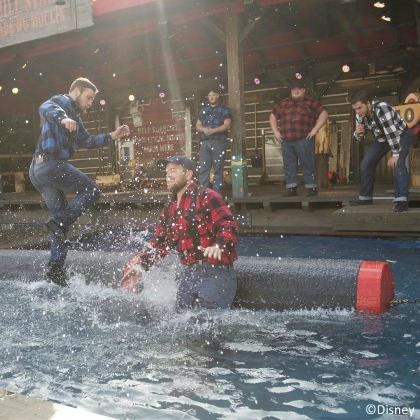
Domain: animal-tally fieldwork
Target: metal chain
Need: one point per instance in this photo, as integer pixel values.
(399, 302)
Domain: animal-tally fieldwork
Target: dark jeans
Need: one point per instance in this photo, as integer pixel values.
(371, 159)
(53, 179)
(206, 285)
(302, 150)
(212, 153)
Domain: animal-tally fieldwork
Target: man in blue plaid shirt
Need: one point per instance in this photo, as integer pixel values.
(62, 133)
(214, 121)
(390, 133)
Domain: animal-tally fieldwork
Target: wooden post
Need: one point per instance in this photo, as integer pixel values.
(237, 105)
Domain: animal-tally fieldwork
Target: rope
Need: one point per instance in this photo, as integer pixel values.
(399, 302)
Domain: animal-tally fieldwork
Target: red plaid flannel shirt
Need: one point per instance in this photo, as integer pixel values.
(214, 223)
(296, 119)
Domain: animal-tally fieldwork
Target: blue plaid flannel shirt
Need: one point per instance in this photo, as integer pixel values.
(55, 139)
(213, 117)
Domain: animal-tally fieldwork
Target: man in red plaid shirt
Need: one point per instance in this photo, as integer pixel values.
(200, 227)
(295, 121)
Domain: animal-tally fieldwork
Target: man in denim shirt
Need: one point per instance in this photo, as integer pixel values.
(62, 133)
(214, 121)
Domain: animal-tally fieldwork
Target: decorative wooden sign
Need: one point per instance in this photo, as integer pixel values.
(162, 132)
(410, 113)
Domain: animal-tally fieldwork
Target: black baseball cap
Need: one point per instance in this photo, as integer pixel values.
(178, 160)
(297, 83)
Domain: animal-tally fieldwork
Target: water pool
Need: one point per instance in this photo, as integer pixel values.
(132, 357)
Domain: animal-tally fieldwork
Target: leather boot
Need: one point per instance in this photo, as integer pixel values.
(57, 274)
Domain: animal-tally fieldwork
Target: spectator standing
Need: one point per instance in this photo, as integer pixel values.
(295, 121)
(213, 123)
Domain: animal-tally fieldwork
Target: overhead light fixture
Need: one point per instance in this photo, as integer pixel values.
(298, 75)
(379, 4)
(386, 18)
(15, 90)
(345, 68)
(60, 2)
(131, 98)
(257, 81)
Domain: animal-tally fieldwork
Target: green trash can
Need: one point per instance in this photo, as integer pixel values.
(239, 177)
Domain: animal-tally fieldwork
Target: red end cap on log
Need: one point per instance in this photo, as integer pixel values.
(375, 287)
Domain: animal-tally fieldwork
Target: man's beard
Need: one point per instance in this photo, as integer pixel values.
(81, 110)
(177, 187)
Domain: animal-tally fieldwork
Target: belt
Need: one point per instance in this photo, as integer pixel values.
(41, 159)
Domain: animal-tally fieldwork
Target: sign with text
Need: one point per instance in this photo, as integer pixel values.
(162, 132)
(27, 20)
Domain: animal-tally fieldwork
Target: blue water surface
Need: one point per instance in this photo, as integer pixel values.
(131, 357)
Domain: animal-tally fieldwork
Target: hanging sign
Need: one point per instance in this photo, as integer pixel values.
(27, 20)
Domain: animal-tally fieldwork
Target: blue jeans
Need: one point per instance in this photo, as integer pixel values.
(53, 179)
(371, 159)
(212, 153)
(302, 150)
(206, 286)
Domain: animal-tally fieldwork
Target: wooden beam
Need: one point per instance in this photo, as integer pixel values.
(237, 105)
(210, 25)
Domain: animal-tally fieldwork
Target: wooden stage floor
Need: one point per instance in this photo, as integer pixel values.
(262, 211)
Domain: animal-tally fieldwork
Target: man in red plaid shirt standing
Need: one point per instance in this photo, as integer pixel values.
(200, 227)
(295, 121)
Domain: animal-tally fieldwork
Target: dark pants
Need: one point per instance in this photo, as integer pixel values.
(301, 150)
(212, 153)
(53, 179)
(206, 285)
(401, 176)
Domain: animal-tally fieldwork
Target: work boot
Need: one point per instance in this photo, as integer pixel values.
(55, 228)
(57, 274)
(312, 192)
(290, 192)
(400, 206)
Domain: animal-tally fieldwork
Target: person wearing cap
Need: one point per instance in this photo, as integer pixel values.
(213, 123)
(295, 121)
(199, 226)
(391, 133)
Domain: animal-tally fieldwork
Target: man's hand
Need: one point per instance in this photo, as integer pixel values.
(69, 124)
(278, 136)
(392, 161)
(208, 131)
(120, 132)
(311, 134)
(212, 252)
(132, 280)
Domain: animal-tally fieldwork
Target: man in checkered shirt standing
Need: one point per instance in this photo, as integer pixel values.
(295, 121)
(390, 133)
